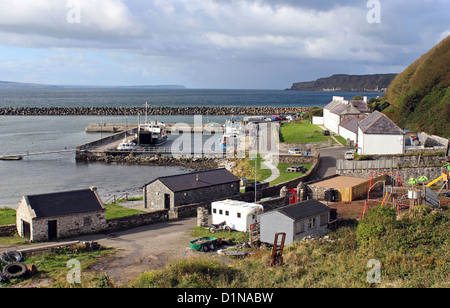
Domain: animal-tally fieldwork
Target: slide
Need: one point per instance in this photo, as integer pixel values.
(432, 183)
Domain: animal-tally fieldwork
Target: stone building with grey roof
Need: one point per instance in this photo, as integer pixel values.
(58, 215)
(172, 191)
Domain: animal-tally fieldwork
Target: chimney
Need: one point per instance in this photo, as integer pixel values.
(365, 99)
(196, 178)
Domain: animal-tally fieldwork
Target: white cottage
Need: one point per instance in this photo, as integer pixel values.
(340, 109)
(378, 135)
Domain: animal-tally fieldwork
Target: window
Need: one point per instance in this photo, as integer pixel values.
(214, 211)
(312, 223)
(227, 213)
(238, 215)
(220, 212)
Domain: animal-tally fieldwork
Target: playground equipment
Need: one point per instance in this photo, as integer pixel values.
(402, 197)
(445, 172)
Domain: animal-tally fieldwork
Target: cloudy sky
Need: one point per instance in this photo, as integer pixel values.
(251, 44)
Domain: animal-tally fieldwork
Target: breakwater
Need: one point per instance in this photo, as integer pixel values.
(123, 111)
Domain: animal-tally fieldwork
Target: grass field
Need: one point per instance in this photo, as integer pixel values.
(7, 216)
(287, 176)
(301, 132)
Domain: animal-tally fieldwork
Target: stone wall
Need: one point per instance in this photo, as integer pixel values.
(8, 230)
(137, 220)
(306, 146)
(155, 195)
(106, 111)
(69, 225)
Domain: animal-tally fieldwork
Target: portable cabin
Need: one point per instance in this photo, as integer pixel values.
(238, 215)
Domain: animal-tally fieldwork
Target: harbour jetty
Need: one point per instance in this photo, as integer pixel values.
(123, 111)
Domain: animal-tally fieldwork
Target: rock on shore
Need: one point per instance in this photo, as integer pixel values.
(86, 111)
(197, 164)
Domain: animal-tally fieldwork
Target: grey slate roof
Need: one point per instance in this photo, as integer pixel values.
(351, 123)
(304, 209)
(378, 123)
(197, 180)
(64, 203)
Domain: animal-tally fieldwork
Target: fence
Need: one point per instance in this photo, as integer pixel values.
(342, 164)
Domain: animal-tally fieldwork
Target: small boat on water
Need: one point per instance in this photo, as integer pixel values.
(128, 145)
(16, 157)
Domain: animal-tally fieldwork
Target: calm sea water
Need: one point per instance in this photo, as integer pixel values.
(172, 98)
(59, 172)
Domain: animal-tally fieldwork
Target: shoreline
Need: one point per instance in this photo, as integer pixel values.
(124, 111)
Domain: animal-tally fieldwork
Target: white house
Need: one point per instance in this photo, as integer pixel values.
(340, 109)
(348, 129)
(377, 134)
(238, 215)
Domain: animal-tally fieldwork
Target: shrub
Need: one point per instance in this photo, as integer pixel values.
(375, 224)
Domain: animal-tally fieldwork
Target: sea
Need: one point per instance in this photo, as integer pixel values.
(55, 172)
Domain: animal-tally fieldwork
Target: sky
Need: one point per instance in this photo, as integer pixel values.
(216, 44)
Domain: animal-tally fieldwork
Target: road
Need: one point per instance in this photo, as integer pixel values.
(328, 158)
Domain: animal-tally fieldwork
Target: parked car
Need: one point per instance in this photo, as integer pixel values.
(297, 168)
(326, 132)
(349, 155)
(294, 151)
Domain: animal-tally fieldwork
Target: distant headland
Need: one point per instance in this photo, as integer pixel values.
(22, 85)
(347, 83)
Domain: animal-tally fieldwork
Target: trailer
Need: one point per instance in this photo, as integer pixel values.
(238, 215)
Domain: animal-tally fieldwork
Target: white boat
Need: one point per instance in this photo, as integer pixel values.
(127, 145)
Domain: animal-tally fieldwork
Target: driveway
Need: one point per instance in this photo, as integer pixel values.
(144, 248)
(328, 158)
(139, 249)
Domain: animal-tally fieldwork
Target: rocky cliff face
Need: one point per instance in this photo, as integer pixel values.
(347, 83)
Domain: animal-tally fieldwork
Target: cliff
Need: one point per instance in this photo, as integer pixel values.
(347, 83)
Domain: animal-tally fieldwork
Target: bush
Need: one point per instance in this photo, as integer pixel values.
(377, 223)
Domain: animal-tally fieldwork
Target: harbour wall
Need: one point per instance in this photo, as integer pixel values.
(123, 111)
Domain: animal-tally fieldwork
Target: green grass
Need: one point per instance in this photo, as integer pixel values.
(287, 176)
(413, 253)
(114, 210)
(341, 139)
(234, 235)
(7, 216)
(298, 132)
(246, 168)
(53, 267)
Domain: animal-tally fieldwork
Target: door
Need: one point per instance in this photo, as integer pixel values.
(26, 230)
(166, 201)
(52, 226)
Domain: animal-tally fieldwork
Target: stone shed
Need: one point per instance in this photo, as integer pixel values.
(173, 191)
(58, 215)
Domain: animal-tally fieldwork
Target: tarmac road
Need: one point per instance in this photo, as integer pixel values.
(328, 158)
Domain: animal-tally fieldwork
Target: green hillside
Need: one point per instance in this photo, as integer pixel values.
(420, 96)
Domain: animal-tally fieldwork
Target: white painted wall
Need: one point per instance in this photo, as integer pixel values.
(347, 134)
(317, 120)
(369, 144)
